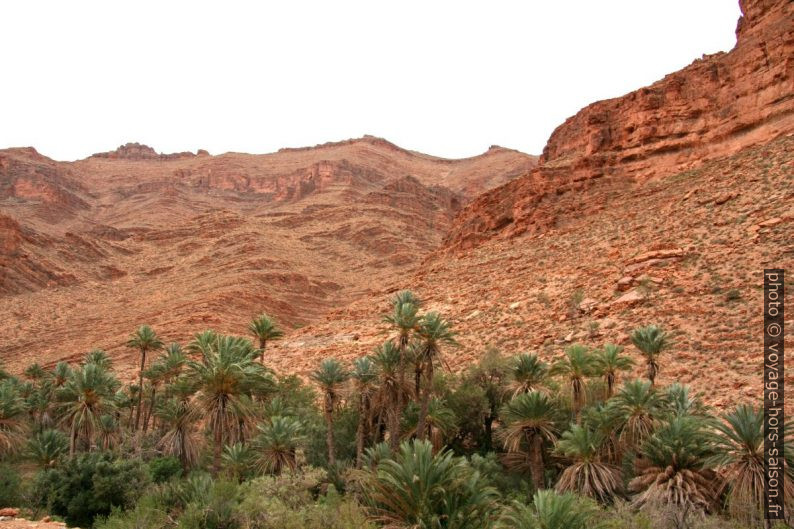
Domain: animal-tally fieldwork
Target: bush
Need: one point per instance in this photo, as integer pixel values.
(90, 485)
(162, 469)
(10, 485)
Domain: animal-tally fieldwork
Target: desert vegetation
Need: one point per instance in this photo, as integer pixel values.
(206, 435)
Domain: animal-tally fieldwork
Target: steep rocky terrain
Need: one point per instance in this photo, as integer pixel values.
(91, 249)
(661, 206)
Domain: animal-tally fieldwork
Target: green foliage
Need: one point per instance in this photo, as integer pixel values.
(90, 485)
(10, 486)
(46, 447)
(550, 510)
(163, 469)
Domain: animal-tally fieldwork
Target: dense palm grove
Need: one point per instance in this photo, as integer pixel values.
(209, 437)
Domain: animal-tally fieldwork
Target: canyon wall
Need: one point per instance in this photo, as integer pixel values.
(711, 109)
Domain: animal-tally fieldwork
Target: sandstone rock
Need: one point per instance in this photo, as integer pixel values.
(625, 282)
(628, 299)
(515, 305)
(9, 512)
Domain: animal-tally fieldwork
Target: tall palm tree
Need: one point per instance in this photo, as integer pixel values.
(86, 396)
(738, 444)
(108, 432)
(530, 423)
(490, 374)
(440, 423)
(588, 474)
(651, 341)
(416, 488)
(226, 379)
(145, 340)
(276, 446)
(156, 374)
(390, 390)
(434, 331)
(173, 361)
(608, 363)
(12, 417)
(203, 342)
(676, 478)
(364, 377)
(405, 317)
(575, 367)
(264, 328)
(528, 373)
(550, 510)
(330, 377)
(637, 410)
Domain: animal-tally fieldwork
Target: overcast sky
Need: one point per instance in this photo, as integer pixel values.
(445, 78)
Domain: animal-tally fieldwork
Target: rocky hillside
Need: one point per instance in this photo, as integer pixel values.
(711, 109)
(91, 249)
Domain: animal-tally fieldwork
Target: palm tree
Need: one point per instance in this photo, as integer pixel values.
(404, 316)
(61, 374)
(676, 479)
(12, 417)
(651, 341)
(265, 330)
(637, 410)
(550, 510)
(440, 423)
(237, 460)
(107, 432)
(86, 396)
(528, 373)
(330, 376)
(364, 376)
(530, 418)
(178, 417)
(98, 357)
(156, 375)
(35, 372)
(46, 447)
(489, 374)
(679, 400)
(226, 379)
(577, 365)
(203, 342)
(415, 488)
(608, 363)
(391, 388)
(588, 475)
(145, 340)
(434, 331)
(739, 455)
(173, 361)
(277, 444)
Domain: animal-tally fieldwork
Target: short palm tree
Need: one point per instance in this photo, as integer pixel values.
(61, 374)
(178, 418)
(651, 341)
(144, 340)
(330, 376)
(98, 357)
(12, 417)
(550, 510)
(226, 379)
(739, 456)
(530, 423)
(108, 433)
(86, 396)
(35, 372)
(575, 367)
(587, 475)
(264, 328)
(440, 423)
(637, 410)
(608, 363)
(237, 460)
(528, 373)
(276, 446)
(46, 447)
(364, 377)
(676, 478)
(417, 488)
(433, 332)
(679, 400)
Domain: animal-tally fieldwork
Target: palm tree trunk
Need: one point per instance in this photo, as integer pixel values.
(72, 441)
(140, 390)
(220, 426)
(329, 435)
(610, 384)
(262, 344)
(421, 424)
(488, 424)
(362, 419)
(536, 460)
(149, 411)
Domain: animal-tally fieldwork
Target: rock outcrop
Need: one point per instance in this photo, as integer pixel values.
(711, 109)
(137, 152)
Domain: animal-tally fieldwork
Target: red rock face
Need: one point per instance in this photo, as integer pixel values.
(711, 109)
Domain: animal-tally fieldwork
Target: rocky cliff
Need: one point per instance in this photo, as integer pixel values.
(711, 109)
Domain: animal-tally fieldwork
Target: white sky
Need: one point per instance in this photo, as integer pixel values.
(445, 78)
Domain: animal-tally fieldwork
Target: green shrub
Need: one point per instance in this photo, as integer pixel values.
(162, 469)
(90, 485)
(10, 487)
